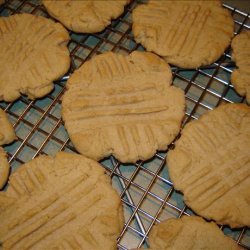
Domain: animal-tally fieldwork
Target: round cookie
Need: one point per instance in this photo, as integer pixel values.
(7, 133)
(189, 232)
(4, 168)
(210, 164)
(85, 16)
(62, 202)
(33, 53)
(122, 105)
(240, 77)
(188, 34)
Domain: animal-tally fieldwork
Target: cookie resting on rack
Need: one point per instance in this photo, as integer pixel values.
(7, 135)
(61, 202)
(210, 164)
(241, 54)
(123, 106)
(7, 132)
(4, 168)
(189, 232)
(187, 34)
(33, 53)
(85, 16)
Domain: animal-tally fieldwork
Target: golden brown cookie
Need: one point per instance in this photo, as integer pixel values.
(122, 105)
(189, 232)
(33, 53)
(210, 164)
(188, 34)
(61, 202)
(241, 54)
(4, 168)
(85, 16)
(7, 135)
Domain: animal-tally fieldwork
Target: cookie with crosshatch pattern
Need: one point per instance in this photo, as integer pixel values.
(189, 232)
(122, 105)
(188, 34)
(33, 53)
(65, 201)
(210, 164)
(7, 135)
(85, 16)
(241, 54)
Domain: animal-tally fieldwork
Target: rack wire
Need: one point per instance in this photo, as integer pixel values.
(146, 191)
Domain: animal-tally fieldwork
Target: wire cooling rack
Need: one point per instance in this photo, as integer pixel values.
(145, 188)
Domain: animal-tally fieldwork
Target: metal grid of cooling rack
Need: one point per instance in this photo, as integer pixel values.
(145, 189)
